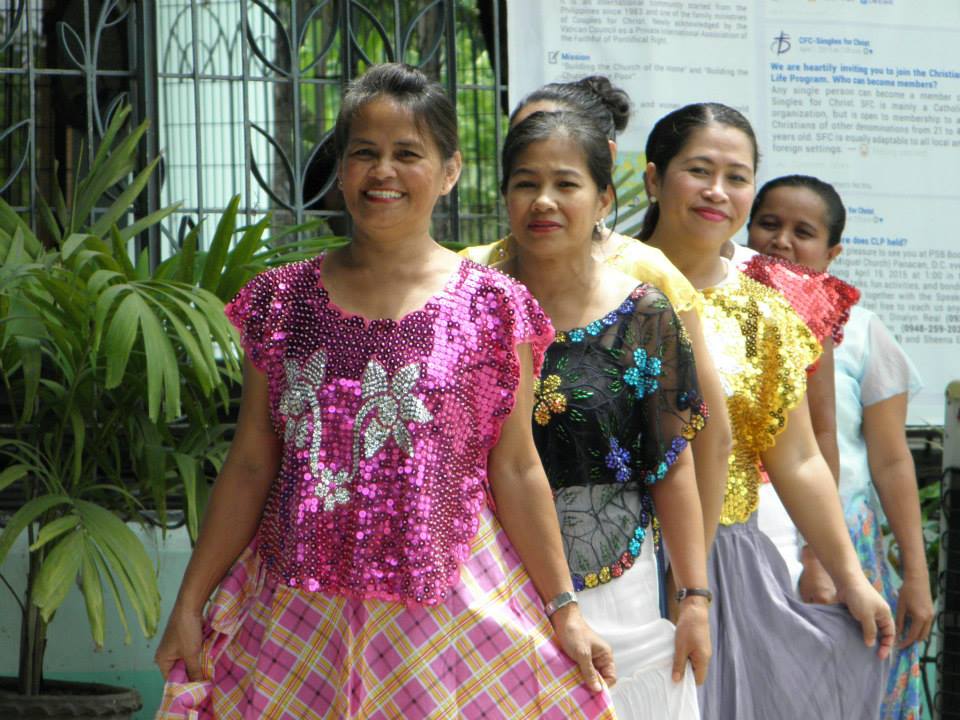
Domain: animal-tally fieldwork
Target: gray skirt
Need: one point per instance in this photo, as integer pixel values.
(776, 657)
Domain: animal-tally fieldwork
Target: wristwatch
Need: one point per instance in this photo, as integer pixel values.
(564, 598)
(698, 592)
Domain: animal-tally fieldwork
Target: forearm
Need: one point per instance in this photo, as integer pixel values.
(894, 476)
(711, 477)
(229, 524)
(526, 511)
(713, 445)
(811, 499)
(897, 487)
(677, 504)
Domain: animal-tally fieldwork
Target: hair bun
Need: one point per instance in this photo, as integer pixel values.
(614, 98)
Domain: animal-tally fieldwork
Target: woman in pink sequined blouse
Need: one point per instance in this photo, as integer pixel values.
(388, 387)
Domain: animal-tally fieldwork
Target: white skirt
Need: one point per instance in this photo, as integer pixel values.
(626, 613)
(774, 522)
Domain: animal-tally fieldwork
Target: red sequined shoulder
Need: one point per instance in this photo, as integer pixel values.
(822, 300)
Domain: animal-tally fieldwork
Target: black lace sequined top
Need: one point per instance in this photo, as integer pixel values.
(616, 403)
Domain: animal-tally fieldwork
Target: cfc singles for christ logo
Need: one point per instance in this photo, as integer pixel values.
(781, 44)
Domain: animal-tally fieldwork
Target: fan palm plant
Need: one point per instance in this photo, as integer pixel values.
(117, 374)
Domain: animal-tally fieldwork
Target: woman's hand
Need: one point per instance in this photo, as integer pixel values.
(584, 647)
(815, 584)
(181, 640)
(692, 639)
(914, 610)
(871, 611)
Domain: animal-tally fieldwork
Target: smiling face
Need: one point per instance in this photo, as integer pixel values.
(791, 223)
(392, 174)
(552, 199)
(706, 190)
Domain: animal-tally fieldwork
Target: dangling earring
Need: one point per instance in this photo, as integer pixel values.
(339, 182)
(506, 247)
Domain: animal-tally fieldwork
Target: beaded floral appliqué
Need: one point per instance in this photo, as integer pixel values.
(548, 400)
(332, 488)
(618, 460)
(299, 404)
(643, 377)
(389, 401)
(393, 403)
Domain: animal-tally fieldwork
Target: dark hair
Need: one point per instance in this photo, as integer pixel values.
(578, 127)
(836, 217)
(408, 86)
(671, 134)
(595, 97)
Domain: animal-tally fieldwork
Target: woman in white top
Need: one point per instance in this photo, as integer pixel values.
(801, 219)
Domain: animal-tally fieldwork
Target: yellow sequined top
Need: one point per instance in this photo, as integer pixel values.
(761, 349)
(639, 260)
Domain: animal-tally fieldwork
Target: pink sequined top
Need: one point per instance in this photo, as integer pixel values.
(386, 426)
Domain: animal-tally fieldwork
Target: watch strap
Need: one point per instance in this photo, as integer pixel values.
(683, 593)
(561, 600)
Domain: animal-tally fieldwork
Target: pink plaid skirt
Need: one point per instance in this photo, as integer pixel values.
(487, 652)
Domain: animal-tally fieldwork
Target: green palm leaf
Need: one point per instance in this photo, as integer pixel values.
(120, 336)
(57, 574)
(92, 586)
(219, 247)
(27, 514)
(127, 560)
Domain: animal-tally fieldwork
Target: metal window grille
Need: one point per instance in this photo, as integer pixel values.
(242, 97)
(64, 68)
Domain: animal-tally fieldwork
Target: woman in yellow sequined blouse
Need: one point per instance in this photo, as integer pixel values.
(608, 107)
(804, 661)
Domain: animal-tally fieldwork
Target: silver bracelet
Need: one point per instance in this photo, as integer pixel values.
(561, 600)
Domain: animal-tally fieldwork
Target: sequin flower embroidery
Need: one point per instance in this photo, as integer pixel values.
(548, 400)
(394, 405)
(332, 488)
(643, 376)
(618, 460)
(299, 405)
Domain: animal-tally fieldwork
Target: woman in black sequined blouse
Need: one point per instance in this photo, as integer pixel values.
(615, 406)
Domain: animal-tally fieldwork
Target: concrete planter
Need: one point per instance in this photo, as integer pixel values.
(69, 701)
(70, 653)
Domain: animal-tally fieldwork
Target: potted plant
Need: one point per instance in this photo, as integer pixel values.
(117, 373)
